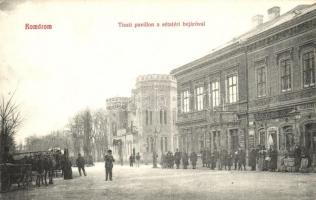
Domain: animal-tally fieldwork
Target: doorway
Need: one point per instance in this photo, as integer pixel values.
(234, 140)
(310, 137)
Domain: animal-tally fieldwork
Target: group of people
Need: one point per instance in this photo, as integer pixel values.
(216, 159)
(42, 164)
(134, 158)
(222, 159)
(169, 159)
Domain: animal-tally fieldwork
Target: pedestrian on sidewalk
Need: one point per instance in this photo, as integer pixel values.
(177, 158)
(193, 159)
(131, 160)
(80, 164)
(108, 165)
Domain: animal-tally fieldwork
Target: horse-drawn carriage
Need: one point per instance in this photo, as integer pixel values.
(19, 174)
(27, 167)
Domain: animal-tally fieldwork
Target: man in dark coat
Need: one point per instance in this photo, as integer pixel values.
(204, 161)
(66, 165)
(177, 158)
(131, 160)
(229, 160)
(108, 165)
(80, 162)
(185, 161)
(297, 157)
(193, 159)
(252, 159)
(213, 160)
(274, 159)
(242, 159)
(137, 159)
(208, 158)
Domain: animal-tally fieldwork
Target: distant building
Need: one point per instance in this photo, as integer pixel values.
(154, 99)
(146, 121)
(258, 89)
(121, 140)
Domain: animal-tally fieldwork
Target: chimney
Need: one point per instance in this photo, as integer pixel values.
(273, 12)
(256, 20)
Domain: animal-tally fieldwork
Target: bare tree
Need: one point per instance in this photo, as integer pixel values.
(10, 120)
(87, 130)
(100, 132)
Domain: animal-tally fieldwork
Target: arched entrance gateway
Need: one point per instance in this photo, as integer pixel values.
(272, 138)
(309, 138)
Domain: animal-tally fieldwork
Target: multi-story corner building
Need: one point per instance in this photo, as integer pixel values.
(212, 101)
(155, 108)
(259, 89)
(281, 75)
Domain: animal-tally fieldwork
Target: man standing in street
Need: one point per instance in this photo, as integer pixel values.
(80, 164)
(108, 165)
(177, 158)
(193, 159)
(131, 160)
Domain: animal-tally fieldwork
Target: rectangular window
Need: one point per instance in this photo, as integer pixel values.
(199, 98)
(285, 66)
(165, 116)
(161, 145)
(151, 117)
(160, 114)
(232, 89)
(309, 69)
(186, 101)
(166, 144)
(261, 81)
(214, 93)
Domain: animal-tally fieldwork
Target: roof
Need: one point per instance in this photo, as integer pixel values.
(288, 16)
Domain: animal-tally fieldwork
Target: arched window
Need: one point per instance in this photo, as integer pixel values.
(262, 137)
(287, 138)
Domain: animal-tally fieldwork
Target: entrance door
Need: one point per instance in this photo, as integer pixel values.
(234, 140)
(272, 139)
(310, 137)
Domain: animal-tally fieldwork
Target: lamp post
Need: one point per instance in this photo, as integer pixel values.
(155, 156)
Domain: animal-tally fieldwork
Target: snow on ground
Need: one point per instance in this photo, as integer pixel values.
(161, 184)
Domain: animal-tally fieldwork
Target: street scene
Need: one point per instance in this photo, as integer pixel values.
(157, 100)
(146, 182)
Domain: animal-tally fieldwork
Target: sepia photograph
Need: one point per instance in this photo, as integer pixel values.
(157, 99)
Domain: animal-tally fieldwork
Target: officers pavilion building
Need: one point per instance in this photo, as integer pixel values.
(259, 89)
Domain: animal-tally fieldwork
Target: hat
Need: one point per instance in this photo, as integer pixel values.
(109, 151)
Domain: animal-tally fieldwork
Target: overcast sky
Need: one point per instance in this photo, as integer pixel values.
(87, 57)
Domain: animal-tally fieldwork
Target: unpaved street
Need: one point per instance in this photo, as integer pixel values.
(148, 183)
